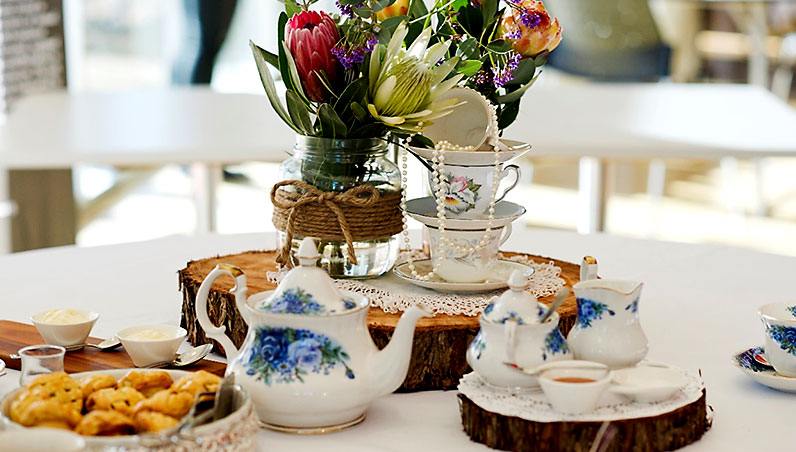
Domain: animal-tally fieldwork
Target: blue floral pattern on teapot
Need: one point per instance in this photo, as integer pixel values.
(286, 355)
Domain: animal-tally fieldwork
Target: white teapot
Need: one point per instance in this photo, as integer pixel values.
(511, 332)
(308, 360)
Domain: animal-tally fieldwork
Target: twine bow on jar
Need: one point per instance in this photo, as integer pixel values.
(359, 213)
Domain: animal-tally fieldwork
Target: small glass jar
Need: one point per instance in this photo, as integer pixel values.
(338, 165)
(39, 360)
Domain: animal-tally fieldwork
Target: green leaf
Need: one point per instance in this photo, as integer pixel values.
(270, 87)
(359, 111)
(468, 67)
(516, 94)
(417, 8)
(421, 141)
(508, 114)
(468, 48)
(331, 124)
(271, 58)
(459, 4)
(471, 20)
(381, 4)
(499, 46)
(388, 27)
(488, 10)
(292, 8)
(524, 72)
(292, 70)
(299, 113)
(354, 92)
(283, 66)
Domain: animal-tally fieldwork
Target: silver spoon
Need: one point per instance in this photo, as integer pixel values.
(105, 346)
(566, 364)
(186, 358)
(560, 297)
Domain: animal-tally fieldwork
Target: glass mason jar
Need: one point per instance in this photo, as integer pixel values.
(338, 165)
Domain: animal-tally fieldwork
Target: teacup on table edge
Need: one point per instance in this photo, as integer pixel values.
(779, 320)
(149, 344)
(64, 327)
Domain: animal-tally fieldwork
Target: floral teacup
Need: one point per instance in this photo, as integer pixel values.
(780, 324)
(458, 261)
(468, 189)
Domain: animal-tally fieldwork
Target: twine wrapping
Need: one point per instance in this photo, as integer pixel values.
(359, 213)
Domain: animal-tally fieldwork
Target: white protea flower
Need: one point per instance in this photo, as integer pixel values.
(404, 85)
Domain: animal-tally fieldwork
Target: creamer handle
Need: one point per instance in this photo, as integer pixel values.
(219, 332)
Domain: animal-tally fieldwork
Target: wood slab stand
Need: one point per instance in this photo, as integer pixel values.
(668, 431)
(440, 343)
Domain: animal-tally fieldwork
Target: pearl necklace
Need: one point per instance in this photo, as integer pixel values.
(438, 188)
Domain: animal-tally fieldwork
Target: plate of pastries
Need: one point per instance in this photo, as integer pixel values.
(117, 405)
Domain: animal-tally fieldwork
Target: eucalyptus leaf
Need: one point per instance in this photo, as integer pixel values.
(299, 113)
(417, 8)
(295, 80)
(421, 141)
(331, 124)
(270, 86)
(381, 4)
(283, 67)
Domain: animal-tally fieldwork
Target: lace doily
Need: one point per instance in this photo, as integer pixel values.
(533, 406)
(392, 294)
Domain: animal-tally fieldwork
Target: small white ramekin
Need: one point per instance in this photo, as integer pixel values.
(149, 351)
(65, 334)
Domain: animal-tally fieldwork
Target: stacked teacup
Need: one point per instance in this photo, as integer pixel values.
(466, 218)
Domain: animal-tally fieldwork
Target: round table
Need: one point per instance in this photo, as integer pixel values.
(698, 308)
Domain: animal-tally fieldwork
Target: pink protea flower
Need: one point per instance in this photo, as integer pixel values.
(530, 28)
(310, 36)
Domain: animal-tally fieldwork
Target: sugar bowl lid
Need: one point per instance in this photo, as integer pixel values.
(515, 303)
(308, 289)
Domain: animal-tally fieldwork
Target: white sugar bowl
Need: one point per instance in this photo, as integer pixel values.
(511, 333)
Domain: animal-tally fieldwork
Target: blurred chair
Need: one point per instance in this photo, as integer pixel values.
(609, 40)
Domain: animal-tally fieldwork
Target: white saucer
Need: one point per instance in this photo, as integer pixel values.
(2, 367)
(424, 210)
(765, 375)
(511, 149)
(500, 275)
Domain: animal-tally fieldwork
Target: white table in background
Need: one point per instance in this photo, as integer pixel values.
(188, 125)
(698, 308)
(604, 121)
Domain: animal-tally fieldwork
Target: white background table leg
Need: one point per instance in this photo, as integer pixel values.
(591, 185)
(206, 179)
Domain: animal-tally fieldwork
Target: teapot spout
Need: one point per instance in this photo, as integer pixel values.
(390, 365)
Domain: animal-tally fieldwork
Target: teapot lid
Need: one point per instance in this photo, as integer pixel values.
(516, 303)
(308, 289)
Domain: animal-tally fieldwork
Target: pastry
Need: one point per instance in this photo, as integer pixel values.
(153, 421)
(47, 413)
(96, 382)
(105, 423)
(58, 386)
(169, 402)
(147, 383)
(122, 400)
(197, 382)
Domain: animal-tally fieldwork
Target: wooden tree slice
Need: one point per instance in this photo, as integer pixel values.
(668, 431)
(440, 343)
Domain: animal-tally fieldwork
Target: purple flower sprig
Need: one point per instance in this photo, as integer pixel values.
(530, 19)
(350, 55)
(503, 74)
(348, 10)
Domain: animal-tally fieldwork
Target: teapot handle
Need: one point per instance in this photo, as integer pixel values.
(219, 332)
(510, 336)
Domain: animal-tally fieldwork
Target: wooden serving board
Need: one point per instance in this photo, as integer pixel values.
(15, 335)
(438, 352)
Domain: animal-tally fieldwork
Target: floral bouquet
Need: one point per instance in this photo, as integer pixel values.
(380, 67)
(378, 72)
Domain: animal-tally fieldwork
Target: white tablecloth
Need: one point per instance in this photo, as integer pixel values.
(698, 308)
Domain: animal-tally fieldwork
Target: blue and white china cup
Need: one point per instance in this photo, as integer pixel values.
(607, 329)
(779, 320)
(460, 260)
